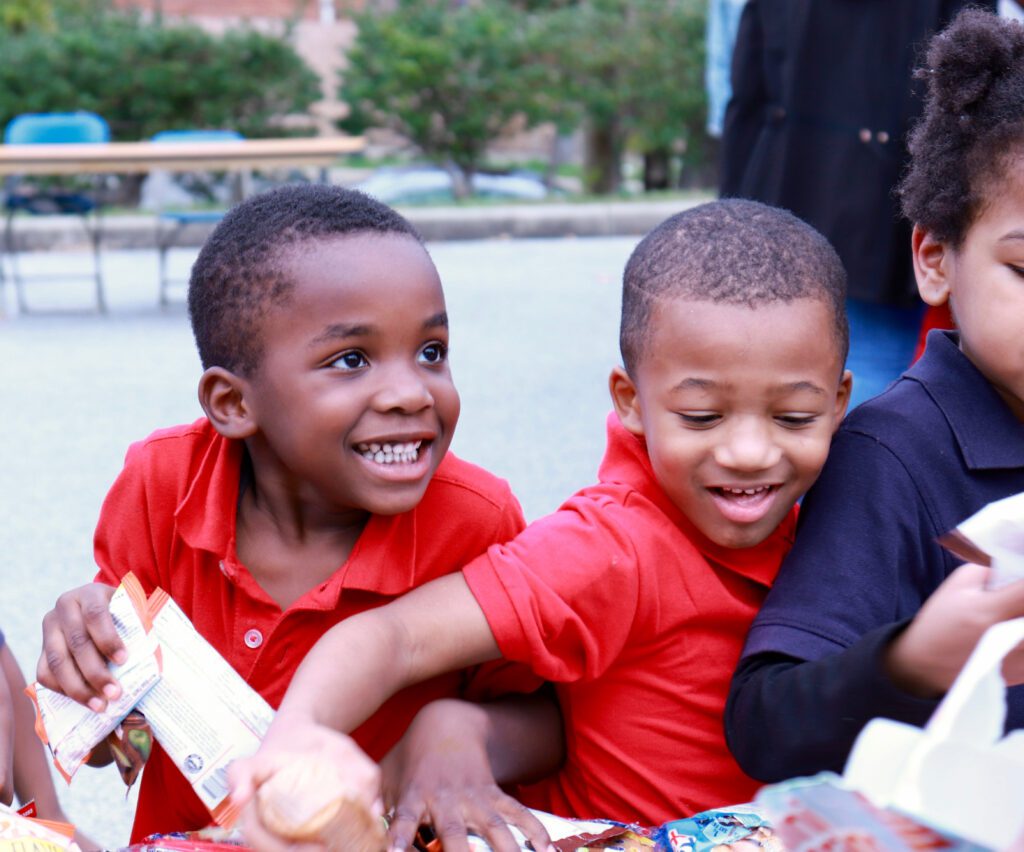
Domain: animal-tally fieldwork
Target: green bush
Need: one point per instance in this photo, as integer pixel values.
(448, 79)
(143, 78)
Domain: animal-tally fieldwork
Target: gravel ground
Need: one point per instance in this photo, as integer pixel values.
(534, 333)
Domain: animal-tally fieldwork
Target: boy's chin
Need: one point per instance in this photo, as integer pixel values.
(395, 504)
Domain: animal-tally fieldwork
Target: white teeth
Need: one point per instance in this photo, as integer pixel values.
(746, 491)
(390, 453)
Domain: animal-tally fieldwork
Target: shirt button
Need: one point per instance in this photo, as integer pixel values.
(882, 136)
(865, 135)
(253, 638)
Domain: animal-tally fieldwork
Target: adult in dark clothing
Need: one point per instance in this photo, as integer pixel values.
(822, 101)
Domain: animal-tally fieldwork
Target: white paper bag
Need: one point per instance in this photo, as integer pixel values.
(958, 774)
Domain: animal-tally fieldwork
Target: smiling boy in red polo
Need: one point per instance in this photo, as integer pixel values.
(635, 596)
(318, 484)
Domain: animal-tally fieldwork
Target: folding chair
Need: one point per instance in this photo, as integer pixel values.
(52, 198)
(170, 224)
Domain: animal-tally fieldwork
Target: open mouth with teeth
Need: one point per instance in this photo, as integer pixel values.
(394, 453)
(744, 494)
(745, 505)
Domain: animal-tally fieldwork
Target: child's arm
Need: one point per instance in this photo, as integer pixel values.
(361, 662)
(814, 709)
(352, 670)
(7, 741)
(32, 778)
(446, 769)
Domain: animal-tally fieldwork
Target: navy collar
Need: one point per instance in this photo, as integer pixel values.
(990, 437)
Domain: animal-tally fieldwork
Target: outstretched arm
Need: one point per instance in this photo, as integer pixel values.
(350, 672)
(361, 662)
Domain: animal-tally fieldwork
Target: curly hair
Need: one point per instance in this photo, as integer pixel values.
(972, 127)
(242, 270)
(733, 251)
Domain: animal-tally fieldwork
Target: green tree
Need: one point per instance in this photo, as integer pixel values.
(635, 69)
(449, 78)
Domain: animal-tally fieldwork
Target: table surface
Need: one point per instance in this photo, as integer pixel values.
(126, 157)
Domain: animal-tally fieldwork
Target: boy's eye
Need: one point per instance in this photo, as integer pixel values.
(795, 421)
(700, 420)
(351, 360)
(433, 353)
(1018, 269)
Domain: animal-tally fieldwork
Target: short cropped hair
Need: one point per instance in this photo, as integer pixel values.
(735, 252)
(241, 272)
(972, 126)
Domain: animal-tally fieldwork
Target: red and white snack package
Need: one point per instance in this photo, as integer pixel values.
(18, 832)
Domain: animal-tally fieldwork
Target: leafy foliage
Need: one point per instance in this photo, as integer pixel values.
(448, 79)
(635, 70)
(143, 78)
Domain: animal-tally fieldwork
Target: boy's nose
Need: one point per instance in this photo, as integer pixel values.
(748, 446)
(402, 390)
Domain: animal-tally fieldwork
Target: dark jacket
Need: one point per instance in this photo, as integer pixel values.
(823, 98)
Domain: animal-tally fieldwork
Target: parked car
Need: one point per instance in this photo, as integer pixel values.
(430, 184)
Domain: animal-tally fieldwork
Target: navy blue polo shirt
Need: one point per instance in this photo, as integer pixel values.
(904, 468)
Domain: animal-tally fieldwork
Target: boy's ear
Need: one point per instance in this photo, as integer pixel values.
(842, 398)
(931, 266)
(222, 396)
(626, 400)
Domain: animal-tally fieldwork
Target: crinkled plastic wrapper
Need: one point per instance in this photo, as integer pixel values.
(25, 834)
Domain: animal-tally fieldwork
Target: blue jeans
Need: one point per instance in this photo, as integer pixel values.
(882, 342)
(723, 21)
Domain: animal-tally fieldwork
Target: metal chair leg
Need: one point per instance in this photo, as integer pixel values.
(12, 254)
(95, 236)
(166, 239)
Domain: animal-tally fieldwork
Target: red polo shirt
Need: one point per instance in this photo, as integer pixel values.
(170, 518)
(640, 620)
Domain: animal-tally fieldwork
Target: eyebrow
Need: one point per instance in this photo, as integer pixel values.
(1012, 235)
(344, 331)
(692, 383)
(438, 320)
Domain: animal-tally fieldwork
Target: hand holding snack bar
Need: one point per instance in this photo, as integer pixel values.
(926, 657)
(78, 639)
(309, 787)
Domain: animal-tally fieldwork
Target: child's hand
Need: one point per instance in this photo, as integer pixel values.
(926, 658)
(292, 743)
(78, 639)
(439, 774)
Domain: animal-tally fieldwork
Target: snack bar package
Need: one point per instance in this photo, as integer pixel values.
(20, 833)
(822, 812)
(718, 829)
(72, 730)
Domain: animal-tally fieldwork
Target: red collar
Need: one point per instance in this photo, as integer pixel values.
(626, 461)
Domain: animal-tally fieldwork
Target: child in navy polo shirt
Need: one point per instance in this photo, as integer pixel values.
(870, 616)
(635, 595)
(318, 484)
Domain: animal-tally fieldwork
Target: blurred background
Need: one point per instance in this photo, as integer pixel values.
(595, 97)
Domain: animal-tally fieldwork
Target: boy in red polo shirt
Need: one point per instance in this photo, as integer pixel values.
(635, 596)
(319, 483)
